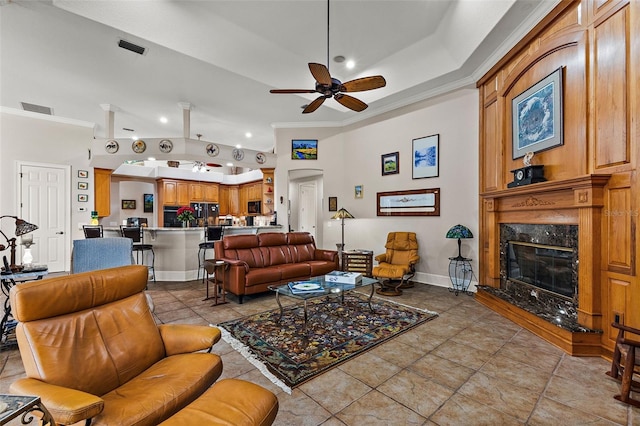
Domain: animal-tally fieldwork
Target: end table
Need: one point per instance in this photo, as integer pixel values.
(358, 261)
(460, 273)
(24, 405)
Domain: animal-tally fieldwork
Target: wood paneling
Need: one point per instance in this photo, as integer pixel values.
(611, 112)
(102, 191)
(619, 223)
(491, 155)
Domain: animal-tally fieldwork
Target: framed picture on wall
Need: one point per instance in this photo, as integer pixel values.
(390, 163)
(536, 116)
(304, 149)
(83, 174)
(358, 191)
(425, 152)
(83, 186)
(83, 198)
(333, 204)
(415, 202)
(147, 202)
(128, 204)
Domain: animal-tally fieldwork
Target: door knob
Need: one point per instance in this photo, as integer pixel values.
(59, 233)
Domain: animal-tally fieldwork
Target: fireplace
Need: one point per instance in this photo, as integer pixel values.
(539, 271)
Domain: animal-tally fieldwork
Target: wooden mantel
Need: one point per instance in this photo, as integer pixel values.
(577, 201)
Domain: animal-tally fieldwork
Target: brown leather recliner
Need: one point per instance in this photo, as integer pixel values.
(91, 349)
(397, 265)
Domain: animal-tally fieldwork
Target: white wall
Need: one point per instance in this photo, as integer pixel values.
(38, 138)
(352, 156)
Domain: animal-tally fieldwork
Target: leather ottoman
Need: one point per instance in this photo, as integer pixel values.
(229, 402)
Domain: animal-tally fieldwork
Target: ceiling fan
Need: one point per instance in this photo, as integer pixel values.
(330, 87)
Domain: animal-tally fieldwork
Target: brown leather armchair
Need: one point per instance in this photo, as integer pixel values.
(397, 265)
(91, 350)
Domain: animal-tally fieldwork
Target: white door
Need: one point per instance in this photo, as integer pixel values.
(43, 198)
(307, 208)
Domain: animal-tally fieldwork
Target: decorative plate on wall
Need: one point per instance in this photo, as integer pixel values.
(261, 158)
(139, 146)
(238, 154)
(111, 146)
(165, 146)
(213, 150)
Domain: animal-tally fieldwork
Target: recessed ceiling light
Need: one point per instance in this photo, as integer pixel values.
(135, 138)
(350, 64)
(248, 134)
(151, 159)
(238, 146)
(164, 120)
(229, 164)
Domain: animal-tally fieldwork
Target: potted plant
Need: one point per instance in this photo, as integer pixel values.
(186, 214)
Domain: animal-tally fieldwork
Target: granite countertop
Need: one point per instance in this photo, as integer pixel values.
(199, 229)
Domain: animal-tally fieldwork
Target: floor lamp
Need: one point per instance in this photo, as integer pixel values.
(342, 214)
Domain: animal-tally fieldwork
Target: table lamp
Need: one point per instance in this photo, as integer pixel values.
(459, 232)
(342, 214)
(22, 227)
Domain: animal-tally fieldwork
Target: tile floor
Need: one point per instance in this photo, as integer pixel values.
(469, 366)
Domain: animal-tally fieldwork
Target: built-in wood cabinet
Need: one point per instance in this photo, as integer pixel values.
(173, 192)
(223, 200)
(597, 46)
(234, 194)
(102, 191)
(268, 197)
(210, 192)
(196, 192)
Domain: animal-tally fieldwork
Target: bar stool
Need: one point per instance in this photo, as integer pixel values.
(92, 231)
(137, 235)
(211, 235)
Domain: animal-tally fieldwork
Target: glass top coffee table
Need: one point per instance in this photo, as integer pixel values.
(316, 287)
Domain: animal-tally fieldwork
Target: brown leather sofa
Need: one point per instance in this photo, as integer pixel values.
(92, 350)
(258, 261)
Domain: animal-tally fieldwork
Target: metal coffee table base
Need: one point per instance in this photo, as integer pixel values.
(306, 300)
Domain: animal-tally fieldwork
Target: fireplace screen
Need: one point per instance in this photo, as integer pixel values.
(545, 267)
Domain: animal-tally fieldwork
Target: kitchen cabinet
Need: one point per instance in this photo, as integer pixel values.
(102, 191)
(234, 194)
(173, 193)
(196, 192)
(211, 191)
(223, 200)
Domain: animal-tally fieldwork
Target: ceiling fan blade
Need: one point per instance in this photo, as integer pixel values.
(292, 91)
(364, 83)
(351, 102)
(320, 73)
(314, 105)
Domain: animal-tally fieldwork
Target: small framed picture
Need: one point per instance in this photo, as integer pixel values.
(83, 174)
(390, 163)
(333, 204)
(358, 191)
(148, 203)
(304, 149)
(83, 185)
(128, 204)
(83, 198)
(425, 155)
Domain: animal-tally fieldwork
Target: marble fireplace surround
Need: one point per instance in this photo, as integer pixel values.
(579, 202)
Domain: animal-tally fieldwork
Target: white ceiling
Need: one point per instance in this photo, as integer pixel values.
(223, 57)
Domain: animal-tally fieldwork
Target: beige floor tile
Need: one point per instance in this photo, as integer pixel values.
(549, 412)
(234, 365)
(442, 371)
(377, 409)
(398, 353)
(333, 421)
(502, 396)
(479, 339)
(576, 368)
(460, 410)
(596, 400)
(300, 409)
(533, 356)
(370, 369)
(416, 392)
(462, 354)
(505, 368)
(335, 389)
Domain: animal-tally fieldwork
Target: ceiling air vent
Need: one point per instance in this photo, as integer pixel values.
(132, 47)
(36, 108)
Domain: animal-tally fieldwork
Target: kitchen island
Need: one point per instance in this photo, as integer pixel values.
(176, 249)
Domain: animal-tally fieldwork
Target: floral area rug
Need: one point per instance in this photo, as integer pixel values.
(289, 353)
